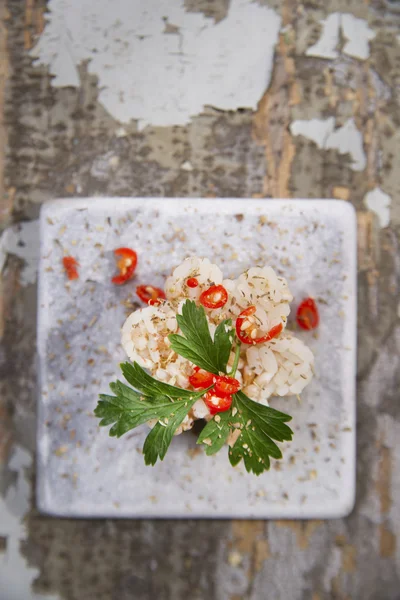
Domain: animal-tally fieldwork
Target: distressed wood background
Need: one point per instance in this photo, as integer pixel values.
(61, 141)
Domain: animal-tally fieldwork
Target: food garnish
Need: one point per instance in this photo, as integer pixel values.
(149, 399)
(150, 294)
(247, 329)
(126, 263)
(307, 314)
(214, 297)
(70, 265)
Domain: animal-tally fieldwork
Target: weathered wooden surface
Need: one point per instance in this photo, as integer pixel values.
(62, 142)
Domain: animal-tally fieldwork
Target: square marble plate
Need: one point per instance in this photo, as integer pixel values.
(82, 472)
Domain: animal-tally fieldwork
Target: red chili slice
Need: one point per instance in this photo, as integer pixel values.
(192, 282)
(226, 386)
(201, 379)
(155, 302)
(307, 314)
(70, 265)
(215, 297)
(243, 333)
(150, 294)
(217, 404)
(126, 265)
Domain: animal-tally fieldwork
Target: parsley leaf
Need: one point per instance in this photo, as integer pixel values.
(129, 409)
(142, 381)
(256, 424)
(215, 433)
(259, 425)
(197, 345)
(160, 437)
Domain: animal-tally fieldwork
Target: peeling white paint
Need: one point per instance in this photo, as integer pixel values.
(358, 36)
(355, 31)
(379, 202)
(22, 240)
(15, 576)
(329, 40)
(157, 78)
(346, 139)
(316, 130)
(187, 166)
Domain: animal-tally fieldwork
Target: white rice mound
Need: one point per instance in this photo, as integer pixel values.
(145, 340)
(281, 367)
(261, 287)
(202, 269)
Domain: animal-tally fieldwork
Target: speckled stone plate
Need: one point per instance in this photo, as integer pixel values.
(82, 472)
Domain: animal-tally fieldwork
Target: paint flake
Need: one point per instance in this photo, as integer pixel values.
(329, 40)
(346, 139)
(316, 130)
(22, 240)
(355, 31)
(152, 77)
(358, 36)
(379, 203)
(13, 508)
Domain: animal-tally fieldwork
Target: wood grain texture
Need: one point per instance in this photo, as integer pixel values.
(61, 142)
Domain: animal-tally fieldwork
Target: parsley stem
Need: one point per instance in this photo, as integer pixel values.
(232, 373)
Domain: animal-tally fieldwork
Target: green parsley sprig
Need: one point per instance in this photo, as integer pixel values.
(197, 345)
(253, 426)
